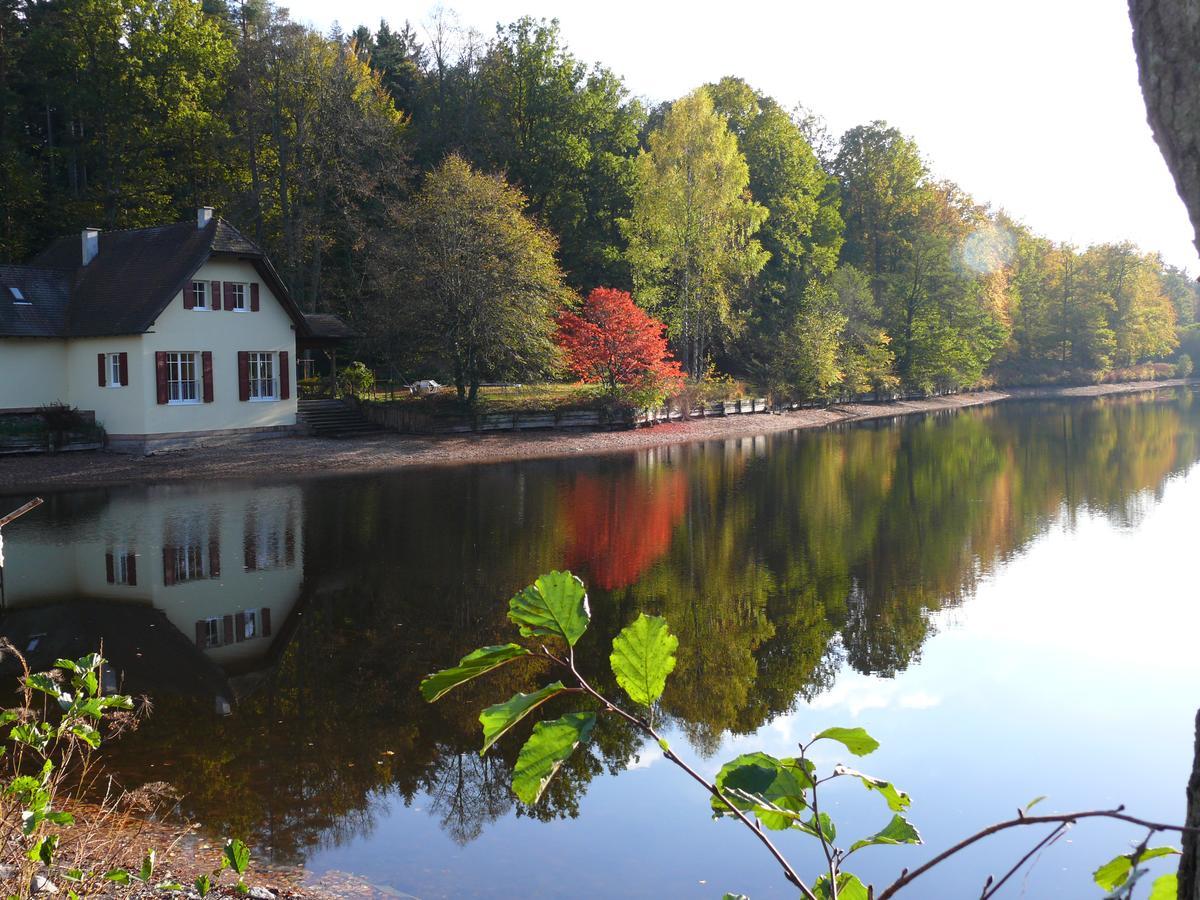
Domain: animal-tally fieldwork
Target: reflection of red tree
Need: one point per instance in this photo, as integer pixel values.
(621, 525)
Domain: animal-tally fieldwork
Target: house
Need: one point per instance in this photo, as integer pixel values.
(172, 336)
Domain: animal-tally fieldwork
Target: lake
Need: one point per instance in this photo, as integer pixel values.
(1003, 596)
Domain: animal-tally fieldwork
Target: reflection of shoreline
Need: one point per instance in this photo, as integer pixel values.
(312, 457)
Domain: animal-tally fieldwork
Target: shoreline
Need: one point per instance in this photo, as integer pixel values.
(308, 457)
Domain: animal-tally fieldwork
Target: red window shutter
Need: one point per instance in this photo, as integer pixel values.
(101, 365)
(109, 568)
(243, 375)
(227, 629)
(201, 633)
(168, 565)
(160, 375)
(214, 298)
(239, 626)
(214, 558)
(264, 616)
(285, 376)
(131, 568)
(228, 291)
(254, 296)
(189, 296)
(123, 367)
(206, 369)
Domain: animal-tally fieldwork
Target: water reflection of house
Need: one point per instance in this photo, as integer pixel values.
(185, 585)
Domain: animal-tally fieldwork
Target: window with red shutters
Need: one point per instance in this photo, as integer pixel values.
(123, 367)
(254, 296)
(228, 291)
(189, 296)
(102, 368)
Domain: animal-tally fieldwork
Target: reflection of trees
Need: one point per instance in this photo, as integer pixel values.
(621, 523)
(773, 568)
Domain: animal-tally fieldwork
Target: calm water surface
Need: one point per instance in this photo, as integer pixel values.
(1004, 597)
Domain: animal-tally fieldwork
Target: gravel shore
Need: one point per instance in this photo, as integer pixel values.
(294, 457)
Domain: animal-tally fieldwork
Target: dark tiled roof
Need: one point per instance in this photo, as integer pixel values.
(48, 292)
(326, 327)
(133, 277)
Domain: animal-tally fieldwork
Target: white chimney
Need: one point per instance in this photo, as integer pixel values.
(91, 244)
(204, 215)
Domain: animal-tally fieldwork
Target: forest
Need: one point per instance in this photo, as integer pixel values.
(812, 265)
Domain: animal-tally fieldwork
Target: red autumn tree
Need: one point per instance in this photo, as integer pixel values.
(614, 341)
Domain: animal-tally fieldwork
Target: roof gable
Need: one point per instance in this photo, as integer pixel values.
(132, 279)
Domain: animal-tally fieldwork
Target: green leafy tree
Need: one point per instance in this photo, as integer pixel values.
(478, 279)
(691, 244)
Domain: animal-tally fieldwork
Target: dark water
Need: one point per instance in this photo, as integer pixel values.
(1005, 597)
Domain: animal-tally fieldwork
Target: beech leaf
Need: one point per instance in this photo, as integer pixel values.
(550, 745)
(555, 604)
(642, 658)
(476, 663)
(497, 720)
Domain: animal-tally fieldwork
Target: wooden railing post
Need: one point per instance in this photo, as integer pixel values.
(1189, 865)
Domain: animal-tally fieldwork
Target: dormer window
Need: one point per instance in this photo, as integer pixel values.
(18, 297)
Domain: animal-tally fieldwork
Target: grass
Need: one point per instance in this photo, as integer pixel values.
(511, 399)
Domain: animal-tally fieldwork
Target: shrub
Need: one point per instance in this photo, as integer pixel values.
(1183, 366)
(355, 380)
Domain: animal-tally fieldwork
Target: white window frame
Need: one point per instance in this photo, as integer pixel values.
(241, 295)
(176, 360)
(112, 365)
(212, 632)
(255, 361)
(121, 557)
(201, 299)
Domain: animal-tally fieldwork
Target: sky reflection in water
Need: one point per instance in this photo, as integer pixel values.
(1001, 596)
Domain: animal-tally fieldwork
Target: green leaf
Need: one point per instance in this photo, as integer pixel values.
(1034, 802)
(43, 850)
(897, 800)
(848, 887)
(117, 876)
(856, 740)
(897, 831)
(168, 886)
(148, 866)
(546, 750)
(44, 683)
(66, 664)
(497, 720)
(821, 827)
(476, 663)
(1117, 870)
(87, 734)
(203, 885)
(642, 658)
(556, 604)
(237, 855)
(734, 897)
(1165, 887)
(771, 789)
(73, 874)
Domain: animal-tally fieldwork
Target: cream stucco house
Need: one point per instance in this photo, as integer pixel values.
(173, 336)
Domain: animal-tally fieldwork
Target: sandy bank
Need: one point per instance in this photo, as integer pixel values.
(307, 456)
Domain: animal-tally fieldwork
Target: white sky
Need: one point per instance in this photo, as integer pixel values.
(1030, 105)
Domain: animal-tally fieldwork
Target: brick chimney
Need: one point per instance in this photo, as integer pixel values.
(90, 240)
(204, 215)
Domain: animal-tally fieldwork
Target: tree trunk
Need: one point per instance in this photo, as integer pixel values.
(1166, 36)
(1189, 865)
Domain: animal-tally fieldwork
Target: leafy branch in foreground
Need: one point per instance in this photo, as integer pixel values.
(763, 793)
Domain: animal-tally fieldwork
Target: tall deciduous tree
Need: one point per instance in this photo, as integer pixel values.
(691, 233)
(803, 232)
(476, 279)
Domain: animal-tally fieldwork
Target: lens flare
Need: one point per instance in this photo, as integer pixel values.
(988, 249)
